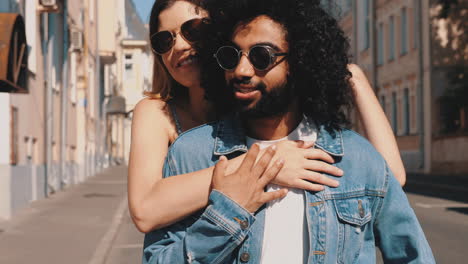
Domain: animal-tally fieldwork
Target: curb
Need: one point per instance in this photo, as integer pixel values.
(105, 245)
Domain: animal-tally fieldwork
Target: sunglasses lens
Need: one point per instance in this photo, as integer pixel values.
(260, 57)
(192, 29)
(162, 41)
(227, 57)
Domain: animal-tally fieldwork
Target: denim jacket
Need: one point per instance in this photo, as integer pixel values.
(345, 224)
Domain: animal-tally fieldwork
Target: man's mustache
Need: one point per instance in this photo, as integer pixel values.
(258, 86)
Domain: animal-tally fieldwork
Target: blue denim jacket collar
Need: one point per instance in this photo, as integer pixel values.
(230, 138)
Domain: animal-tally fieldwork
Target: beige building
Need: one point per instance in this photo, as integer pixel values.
(409, 50)
(126, 66)
(60, 64)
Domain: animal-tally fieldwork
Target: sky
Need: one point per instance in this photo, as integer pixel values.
(144, 8)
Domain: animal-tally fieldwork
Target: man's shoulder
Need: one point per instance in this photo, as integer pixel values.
(354, 143)
(227, 134)
(363, 165)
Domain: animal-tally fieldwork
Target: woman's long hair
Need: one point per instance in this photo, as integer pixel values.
(164, 87)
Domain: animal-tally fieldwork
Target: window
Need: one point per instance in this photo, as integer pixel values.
(5, 7)
(91, 87)
(391, 37)
(380, 43)
(394, 113)
(416, 25)
(404, 31)
(413, 112)
(406, 112)
(73, 78)
(14, 136)
(128, 64)
(366, 24)
(382, 103)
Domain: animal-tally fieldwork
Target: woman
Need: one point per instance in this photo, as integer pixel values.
(177, 104)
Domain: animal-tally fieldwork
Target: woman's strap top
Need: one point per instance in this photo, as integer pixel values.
(175, 117)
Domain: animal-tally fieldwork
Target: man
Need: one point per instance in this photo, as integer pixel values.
(285, 66)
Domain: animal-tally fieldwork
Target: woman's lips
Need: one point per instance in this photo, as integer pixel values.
(190, 60)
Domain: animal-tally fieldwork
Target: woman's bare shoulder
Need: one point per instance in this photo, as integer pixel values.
(151, 109)
(151, 105)
(154, 114)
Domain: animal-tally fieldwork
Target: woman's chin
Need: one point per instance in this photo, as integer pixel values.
(189, 79)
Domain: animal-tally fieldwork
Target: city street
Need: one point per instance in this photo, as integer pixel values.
(90, 223)
(442, 208)
(77, 226)
(74, 73)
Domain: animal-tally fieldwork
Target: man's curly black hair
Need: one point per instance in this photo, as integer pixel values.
(318, 55)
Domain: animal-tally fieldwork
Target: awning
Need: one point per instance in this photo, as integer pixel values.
(13, 54)
(116, 105)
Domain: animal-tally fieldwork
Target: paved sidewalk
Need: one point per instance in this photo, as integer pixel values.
(78, 225)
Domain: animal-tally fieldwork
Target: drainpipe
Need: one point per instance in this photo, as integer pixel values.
(420, 85)
(373, 31)
(424, 107)
(48, 102)
(97, 92)
(355, 35)
(64, 104)
(428, 99)
(86, 90)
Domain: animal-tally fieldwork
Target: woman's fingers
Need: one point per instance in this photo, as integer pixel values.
(319, 178)
(305, 144)
(320, 166)
(318, 154)
(270, 174)
(305, 185)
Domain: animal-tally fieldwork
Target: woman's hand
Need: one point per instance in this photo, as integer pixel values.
(304, 166)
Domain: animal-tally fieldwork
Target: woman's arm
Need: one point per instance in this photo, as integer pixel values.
(375, 122)
(155, 202)
(151, 198)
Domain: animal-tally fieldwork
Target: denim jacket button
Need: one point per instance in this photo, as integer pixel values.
(361, 209)
(244, 224)
(245, 257)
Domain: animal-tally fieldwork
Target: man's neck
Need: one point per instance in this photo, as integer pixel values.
(271, 128)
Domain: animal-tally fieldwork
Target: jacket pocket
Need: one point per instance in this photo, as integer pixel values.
(353, 216)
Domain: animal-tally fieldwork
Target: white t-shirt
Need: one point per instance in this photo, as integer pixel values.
(286, 238)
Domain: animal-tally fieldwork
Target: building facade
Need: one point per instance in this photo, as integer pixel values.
(57, 78)
(415, 55)
(126, 67)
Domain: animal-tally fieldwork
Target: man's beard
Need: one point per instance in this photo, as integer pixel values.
(272, 103)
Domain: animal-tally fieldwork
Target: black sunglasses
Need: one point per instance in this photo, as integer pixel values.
(191, 30)
(260, 56)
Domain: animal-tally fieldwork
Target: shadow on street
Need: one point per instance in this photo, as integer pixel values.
(453, 188)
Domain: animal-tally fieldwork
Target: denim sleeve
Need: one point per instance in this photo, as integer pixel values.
(399, 234)
(221, 228)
